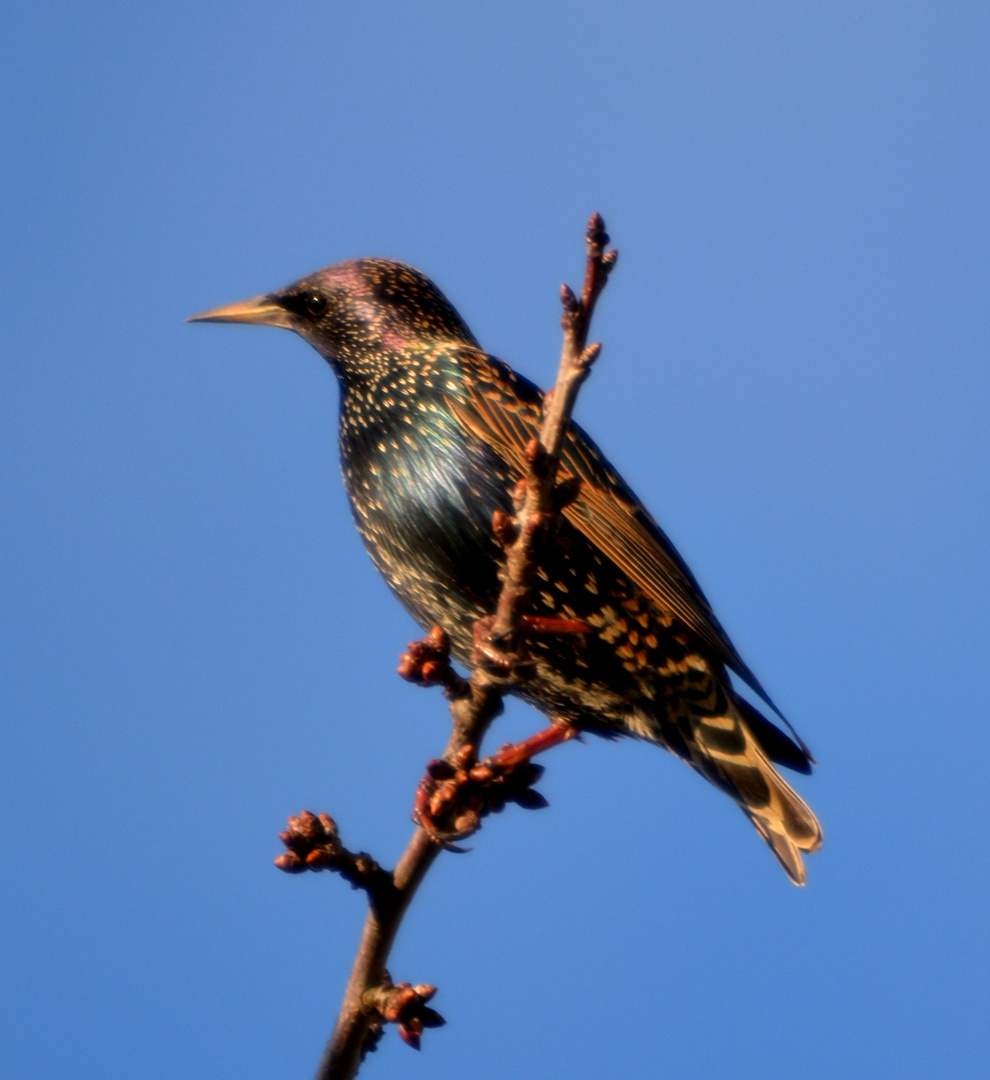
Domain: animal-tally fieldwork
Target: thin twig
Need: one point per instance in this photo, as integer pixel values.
(576, 358)
(477, 701)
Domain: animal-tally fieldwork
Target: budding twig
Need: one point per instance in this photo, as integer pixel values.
(313, 843)
(538, 502)
(406, 1006)
(458, 790)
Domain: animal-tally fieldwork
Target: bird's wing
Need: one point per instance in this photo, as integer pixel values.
(502, 409)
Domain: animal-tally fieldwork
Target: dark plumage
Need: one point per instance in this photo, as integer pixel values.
(432, 438)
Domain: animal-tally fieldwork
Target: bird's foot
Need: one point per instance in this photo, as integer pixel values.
(491, 656)
(514, 665)
(453, 797)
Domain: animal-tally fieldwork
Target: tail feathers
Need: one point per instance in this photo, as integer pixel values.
(725, 750)
(780, 748)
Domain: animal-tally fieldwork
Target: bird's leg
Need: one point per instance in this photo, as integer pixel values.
(513, 754)
(542, 624)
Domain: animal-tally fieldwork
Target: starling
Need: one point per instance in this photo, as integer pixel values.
(433, 434)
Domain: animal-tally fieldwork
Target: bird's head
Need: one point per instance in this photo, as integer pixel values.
(362, 316)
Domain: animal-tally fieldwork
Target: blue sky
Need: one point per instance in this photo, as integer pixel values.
(794, 380)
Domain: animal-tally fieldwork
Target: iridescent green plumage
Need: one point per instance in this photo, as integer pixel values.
(432, 439)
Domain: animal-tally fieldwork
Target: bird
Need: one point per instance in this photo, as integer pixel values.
(433, 434)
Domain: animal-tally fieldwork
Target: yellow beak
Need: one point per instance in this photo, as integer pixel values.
(258, 309)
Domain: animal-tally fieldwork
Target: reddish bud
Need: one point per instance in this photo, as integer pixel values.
(566, 492)
(504, 527)
(409, 1036)
(308, 825)
(431, 1018)
(439, 769)
(596, 233)
(590, 354)
(290, 863)
(529, 799)
(467, 822)
(532, 772)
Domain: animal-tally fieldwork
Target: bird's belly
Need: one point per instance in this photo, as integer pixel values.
(426, 523)
(428, 530)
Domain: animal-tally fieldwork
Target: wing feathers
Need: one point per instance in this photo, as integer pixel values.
(605, 510)
(733, 748)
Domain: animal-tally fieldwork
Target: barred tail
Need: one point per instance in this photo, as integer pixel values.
(725, 750)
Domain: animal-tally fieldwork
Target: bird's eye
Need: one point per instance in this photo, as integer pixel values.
(315, 304)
